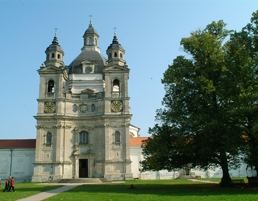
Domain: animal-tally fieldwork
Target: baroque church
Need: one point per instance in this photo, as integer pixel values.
(83, 120)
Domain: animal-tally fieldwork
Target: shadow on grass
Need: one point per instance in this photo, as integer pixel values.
(173, 189)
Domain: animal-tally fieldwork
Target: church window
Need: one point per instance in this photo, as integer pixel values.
(90, 41)
(88, 70)
(84, 137)
(115, 54)
(58, 56)
(48, 138)
(93, 108)
(53, 55)
(50, 86)
(117, 136)
(116, 85)
(74, 108)
(121, 55)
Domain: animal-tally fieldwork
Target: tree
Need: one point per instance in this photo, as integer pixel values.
(243, 54)
(200, 123)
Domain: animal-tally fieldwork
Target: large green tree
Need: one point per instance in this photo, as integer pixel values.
(243, 56)
(201, 123)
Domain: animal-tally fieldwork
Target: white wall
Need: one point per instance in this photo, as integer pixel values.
(136, 157)
(17, 163)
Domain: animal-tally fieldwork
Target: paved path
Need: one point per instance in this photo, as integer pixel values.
(47, 194)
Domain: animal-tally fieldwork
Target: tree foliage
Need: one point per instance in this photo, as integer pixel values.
(243, 50)
(210, 93)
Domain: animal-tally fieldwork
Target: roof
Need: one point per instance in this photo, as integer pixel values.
(91, 30)
(137, 141)
(55, 46)
(31, 143)
(24, 143)
(96, 57)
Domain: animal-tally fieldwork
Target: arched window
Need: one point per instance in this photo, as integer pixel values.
(116, 86)
(53, 55)
(117, 136)
(115, 55)
(121, 55)
(48, 138)
(50, 87)
(84, 137)
(90, 41)
(93, 108)
(58, 56)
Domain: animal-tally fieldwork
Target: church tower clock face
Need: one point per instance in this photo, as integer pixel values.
(116, 106)
(49, 107)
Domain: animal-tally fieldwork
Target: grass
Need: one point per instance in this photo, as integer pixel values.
(151, 190)
(23, 190)
(157, 190)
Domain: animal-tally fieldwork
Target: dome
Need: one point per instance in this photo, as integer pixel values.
(114, 44)
(54, 46)
(91, 30)
(90, 55)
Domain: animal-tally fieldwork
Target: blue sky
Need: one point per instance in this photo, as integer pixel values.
(149, 30)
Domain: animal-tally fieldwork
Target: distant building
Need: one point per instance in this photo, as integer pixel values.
(17, 158)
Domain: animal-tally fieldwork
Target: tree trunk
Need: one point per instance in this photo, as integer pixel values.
(256, 170)
(225, 180)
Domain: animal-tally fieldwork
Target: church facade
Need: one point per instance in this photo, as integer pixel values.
(83, 119)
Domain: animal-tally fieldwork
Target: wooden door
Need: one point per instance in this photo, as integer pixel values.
(83, 168)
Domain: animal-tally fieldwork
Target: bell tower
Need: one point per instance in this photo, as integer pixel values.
(117, 113)
(49, 149)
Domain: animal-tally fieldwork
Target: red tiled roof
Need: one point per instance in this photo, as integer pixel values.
(27, 143)
(31, 143)
(137, 141)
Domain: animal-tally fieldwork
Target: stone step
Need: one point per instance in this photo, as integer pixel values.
(79, 180)
(104, 180)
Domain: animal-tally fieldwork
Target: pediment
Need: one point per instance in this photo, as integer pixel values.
(88, 61)
(50, 69)
(117, 68)
(87, 91)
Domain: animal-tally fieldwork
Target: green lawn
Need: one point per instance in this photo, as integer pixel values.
(163, 190)
(23, 190)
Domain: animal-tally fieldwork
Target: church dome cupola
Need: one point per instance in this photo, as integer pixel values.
(89, 61)
(91, 38)
(54, 54)
(115, 52)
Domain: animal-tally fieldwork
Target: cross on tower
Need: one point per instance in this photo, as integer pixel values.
(55, 32)
(114, 30)
(90, 18)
